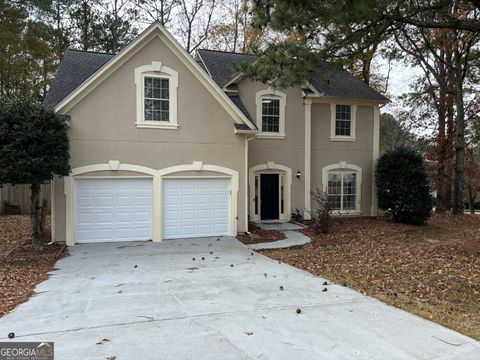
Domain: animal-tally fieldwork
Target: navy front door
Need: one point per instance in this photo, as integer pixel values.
(269, 197)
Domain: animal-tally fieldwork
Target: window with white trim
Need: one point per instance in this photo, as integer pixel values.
(156, 98)
(342, 190)
(156, 92)
(271, 113)
(343, 122)
(342, 183)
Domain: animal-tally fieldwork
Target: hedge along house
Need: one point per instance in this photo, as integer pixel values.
(166, 146)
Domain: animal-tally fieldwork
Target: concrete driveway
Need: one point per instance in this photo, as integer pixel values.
(151, 301)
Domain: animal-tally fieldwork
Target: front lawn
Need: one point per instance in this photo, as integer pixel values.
(432, 271)
(21, 269)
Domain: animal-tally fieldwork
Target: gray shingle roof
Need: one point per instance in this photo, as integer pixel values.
(239, 104)
(340, 83)
(335, 83)
(75, 67)
(221, 65)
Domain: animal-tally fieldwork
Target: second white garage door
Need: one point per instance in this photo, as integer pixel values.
(196, 207)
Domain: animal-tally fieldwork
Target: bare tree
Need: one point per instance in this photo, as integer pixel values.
(117, 27)
(157, 10)
(194, 22)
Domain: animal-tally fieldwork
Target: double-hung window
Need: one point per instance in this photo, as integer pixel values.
(156, 95)
(271, 104)
(156, 98)
(343, 122)
(270, 115)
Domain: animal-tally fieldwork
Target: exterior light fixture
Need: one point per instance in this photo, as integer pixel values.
(299, 174)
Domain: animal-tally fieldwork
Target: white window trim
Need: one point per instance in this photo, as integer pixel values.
(273, 94)
(156, 69)
(333, 119)
(343, 166)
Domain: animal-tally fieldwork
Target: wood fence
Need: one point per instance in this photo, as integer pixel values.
(20, 195)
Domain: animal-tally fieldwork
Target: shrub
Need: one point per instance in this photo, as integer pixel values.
(402, 186)
(321, 213)
(34, 148)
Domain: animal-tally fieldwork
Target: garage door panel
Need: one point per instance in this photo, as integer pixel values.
(85, 234)
(113, 210)
(221, 214)
(188, 215)
(205, 214)
(86, 201)
(206, 199)
(104, 201)
(86, 185)
(195, 207)
(189, 199)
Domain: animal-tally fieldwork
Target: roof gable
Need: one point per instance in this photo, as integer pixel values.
(85, 83)
(74, 69)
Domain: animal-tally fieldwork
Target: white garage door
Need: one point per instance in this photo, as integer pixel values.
(195, 207)
(108, 210)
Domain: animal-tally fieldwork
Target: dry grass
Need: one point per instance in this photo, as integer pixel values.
(21, 269)
(432, 271)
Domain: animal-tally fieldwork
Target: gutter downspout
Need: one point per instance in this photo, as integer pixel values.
(247, 193)
(307, 102)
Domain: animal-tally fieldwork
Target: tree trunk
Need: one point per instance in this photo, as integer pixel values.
(441, 204)
(458, 189)
(37, 231)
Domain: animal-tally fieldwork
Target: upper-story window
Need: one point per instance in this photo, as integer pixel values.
(156, 96)
(271, 113)
(343, 119)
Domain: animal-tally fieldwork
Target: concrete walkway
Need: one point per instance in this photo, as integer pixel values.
(152, 301)
(292, 237)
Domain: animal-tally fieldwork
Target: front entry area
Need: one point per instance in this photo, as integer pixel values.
(269, 192)
(270, 197)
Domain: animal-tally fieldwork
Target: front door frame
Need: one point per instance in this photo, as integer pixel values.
(270, 193)
(285, 177)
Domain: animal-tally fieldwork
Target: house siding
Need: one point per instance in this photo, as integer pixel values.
(103, 128)
(289, 151)
(360, 152)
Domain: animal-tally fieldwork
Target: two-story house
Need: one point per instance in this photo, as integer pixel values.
(166, 146)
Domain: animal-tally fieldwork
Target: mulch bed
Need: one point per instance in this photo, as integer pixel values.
(260, 235)
(432, 271)
(21, 268)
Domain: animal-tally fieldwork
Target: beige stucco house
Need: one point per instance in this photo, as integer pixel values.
(165, 145)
